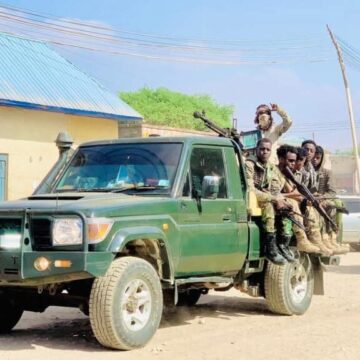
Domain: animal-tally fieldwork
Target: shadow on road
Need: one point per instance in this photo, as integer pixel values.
(345, 269)
(67, 334)
(76, 333)
(215, 306)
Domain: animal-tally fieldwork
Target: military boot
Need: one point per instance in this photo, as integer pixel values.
(336, 250)
(304, 245)
(316, 240)
(344, 248)
(271, 250)
(283, 245)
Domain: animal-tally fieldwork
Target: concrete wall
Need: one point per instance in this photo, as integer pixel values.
(27, 137)
(343, 169)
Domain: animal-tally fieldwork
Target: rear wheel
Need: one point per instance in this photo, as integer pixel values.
(289, 288)
(10, 314)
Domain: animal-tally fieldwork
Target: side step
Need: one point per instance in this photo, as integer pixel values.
(201, 279)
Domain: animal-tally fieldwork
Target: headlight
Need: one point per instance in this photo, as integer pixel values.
(67, 231)
(98, 229)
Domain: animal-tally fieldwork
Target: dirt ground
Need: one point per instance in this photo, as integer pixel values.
(226, 325)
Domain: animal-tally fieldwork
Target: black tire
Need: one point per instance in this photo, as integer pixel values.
(188, 297)
(289, 288)
(10, 314)
(118, 318)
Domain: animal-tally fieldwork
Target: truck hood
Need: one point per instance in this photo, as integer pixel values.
(85, 202)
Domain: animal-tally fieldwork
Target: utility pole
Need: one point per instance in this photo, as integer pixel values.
(350, 109)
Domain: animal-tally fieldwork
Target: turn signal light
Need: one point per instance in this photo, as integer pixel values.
(98, 228)
(62, 263)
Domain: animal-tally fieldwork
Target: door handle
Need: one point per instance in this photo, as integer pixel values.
(226, 218)
(183, 205)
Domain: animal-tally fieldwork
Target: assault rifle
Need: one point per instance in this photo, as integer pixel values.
(339, 208)
(288, 213)
(230, 133)
(303, 190)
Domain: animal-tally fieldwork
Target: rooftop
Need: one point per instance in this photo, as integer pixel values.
(34, 76)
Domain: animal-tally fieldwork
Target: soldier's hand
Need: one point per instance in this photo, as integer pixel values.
(274, 107)
(280, 203)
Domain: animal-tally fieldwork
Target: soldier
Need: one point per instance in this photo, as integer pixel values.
(310, 147)
(269, 129)
(288, 156)
(327, 193)
(266, 181)
(300, 172)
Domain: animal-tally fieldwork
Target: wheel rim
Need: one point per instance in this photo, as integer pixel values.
(298, 282)
(136, 305)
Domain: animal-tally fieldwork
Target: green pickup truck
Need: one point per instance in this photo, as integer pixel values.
(125, 226)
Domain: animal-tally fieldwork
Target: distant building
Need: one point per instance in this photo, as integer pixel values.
(41, 94)
(343, 168)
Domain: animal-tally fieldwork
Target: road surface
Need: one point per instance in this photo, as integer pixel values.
(222, 326)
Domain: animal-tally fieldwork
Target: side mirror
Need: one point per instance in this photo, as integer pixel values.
(210, 187)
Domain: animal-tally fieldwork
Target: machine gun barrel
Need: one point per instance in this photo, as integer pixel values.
(228, 133)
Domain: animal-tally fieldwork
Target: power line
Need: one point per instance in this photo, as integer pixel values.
(191, 53)
(112, 30)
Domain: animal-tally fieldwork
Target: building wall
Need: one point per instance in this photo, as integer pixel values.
(148, 130)
(27, 137)
(343, 168)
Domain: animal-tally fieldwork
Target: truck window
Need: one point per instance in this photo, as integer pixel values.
(118, 166)
(208, 173)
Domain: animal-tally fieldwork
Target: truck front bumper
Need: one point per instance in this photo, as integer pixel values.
(18, 267)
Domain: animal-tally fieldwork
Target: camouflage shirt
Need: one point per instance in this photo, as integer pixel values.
(265, 180)
(325, 183)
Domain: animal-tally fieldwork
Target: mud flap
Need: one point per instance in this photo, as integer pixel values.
(319, 266)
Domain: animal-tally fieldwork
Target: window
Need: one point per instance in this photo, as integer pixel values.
(353, 205)
(207, 171)
(112, 167)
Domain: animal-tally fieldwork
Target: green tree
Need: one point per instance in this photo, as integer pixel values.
(165, 107)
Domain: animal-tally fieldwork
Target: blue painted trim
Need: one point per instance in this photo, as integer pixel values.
(31, 106)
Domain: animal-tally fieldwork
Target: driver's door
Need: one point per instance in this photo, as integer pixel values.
(208, 228)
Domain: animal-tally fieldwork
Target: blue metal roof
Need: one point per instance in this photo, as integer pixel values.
(34, 76)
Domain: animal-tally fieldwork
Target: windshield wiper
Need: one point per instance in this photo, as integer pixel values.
(84, 190)
(136, 188)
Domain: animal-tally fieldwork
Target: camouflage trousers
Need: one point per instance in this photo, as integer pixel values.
(313, 224)
(336, 216)
(272, 223)
(311, 221)
(299, 233)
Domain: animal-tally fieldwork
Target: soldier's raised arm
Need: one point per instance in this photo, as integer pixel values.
(286, 120)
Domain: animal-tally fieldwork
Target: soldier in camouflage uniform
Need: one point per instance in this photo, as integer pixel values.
(288, 156)
(313, 218)
(270, 130)
(266, 181)
(330, 203)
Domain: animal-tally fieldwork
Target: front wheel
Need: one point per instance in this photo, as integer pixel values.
(10, 314)
(126, 304)
(289, 288)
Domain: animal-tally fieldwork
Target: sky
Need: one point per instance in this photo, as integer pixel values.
(305, 79)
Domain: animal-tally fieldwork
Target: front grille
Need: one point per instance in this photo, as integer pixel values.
(40, 231)
(11, 271)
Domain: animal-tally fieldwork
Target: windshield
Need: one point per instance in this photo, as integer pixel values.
(137, 167)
